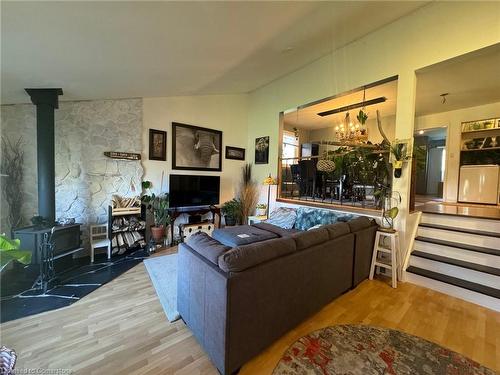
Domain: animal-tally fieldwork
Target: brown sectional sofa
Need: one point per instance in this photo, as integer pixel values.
(237, 301)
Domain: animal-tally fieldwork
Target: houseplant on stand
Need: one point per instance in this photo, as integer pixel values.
(261, 209)
(232, 212)
(158, 206)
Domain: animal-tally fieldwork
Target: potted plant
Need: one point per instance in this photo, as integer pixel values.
(390, 210)
(158, 206)
(248, 194)
(9, 252)
(232, 212)
(261, 209)
(398, 152)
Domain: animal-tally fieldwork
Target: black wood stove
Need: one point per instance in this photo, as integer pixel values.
(64, 240)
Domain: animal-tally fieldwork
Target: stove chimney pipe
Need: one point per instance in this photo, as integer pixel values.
(46, 101)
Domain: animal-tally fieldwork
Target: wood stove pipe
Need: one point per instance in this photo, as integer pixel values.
(46, 101)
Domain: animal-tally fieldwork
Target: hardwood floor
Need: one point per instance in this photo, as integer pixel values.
(121, 329)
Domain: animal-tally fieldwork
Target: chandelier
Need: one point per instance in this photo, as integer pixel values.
(348, 131)
(351, 132)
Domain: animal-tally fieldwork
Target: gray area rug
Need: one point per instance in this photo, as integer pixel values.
(163, 273)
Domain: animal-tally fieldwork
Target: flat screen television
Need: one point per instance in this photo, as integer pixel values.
(190, 191)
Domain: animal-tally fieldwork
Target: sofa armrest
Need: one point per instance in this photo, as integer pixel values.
(202, 302)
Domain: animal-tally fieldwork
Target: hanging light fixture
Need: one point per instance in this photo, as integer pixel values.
(354, 132)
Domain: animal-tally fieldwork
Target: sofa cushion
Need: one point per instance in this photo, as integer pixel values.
(359, 223)
(283, 217)
(241, 235)
(242, 257)
(308, 217)
(337, 229)
(206, 246)
(310, 238)
(275, 229)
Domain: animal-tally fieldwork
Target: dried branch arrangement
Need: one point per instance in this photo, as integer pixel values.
(248, 194)
(13, 179)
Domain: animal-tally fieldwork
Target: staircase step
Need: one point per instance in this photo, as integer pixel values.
(478, 288)
(461, 230)
(457, 262)
(463, 246)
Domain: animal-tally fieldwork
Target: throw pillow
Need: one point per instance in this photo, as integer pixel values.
(283, 217)
(308, 217)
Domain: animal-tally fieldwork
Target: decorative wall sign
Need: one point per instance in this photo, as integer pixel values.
(157, 145)
(122, 155)
(235, 153)
(262, 150)
(196, 148)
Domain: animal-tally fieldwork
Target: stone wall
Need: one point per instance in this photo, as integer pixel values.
(85, 178)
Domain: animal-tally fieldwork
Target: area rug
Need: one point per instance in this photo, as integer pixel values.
(359, 349)
(163, 273)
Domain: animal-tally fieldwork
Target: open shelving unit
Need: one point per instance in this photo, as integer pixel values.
(480, 143)
(127, 214)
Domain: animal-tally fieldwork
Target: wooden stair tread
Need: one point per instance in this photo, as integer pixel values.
(474, 287)
(457, 262)
(461, 230)
(458, 245)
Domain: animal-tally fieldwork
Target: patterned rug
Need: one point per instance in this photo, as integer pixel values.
(359, 349)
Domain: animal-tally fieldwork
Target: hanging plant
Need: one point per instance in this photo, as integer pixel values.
(362, 117)
(398, 151)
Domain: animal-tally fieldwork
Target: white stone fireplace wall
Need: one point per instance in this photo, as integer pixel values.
(85, 178)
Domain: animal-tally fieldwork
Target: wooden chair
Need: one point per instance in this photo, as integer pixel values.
(99, 238)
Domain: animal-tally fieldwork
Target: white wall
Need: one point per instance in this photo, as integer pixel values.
(227, 113)
(434, 33)
(452, 120)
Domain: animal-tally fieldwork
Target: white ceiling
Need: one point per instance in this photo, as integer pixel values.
(308, 118)
(472, 79)
(119, 49)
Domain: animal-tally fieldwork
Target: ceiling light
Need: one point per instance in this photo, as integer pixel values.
(353, 106)
(443, 97)
(420, 132)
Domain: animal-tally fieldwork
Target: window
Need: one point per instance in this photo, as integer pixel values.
(290, 147)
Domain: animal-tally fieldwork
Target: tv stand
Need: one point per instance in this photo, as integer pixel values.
(191, 211)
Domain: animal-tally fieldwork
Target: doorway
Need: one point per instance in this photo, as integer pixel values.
(430, 150)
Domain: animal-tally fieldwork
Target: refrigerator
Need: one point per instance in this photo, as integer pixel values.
(479, 184)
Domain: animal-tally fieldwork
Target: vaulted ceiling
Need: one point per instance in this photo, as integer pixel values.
(96, 50)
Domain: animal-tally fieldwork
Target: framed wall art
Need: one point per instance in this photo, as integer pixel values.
(196, 148)
(262, 150)
(157, 145)
(235, 153)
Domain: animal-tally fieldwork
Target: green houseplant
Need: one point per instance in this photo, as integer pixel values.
(261, 209)
(232, 212)
(398, 151)
(158, 206)
(9, 252)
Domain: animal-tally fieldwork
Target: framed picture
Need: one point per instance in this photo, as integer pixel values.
(195, 148)
(235, 153)
(262, 150)
(157, 145)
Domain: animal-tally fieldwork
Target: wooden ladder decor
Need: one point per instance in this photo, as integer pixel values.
(378, 258)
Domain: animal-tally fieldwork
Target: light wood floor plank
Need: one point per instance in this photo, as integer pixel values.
(121, 329)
